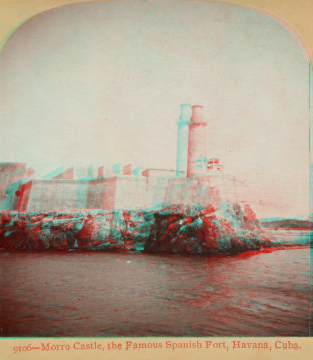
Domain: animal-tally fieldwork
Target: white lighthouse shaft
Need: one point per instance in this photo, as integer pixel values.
(182, 139)
(196, 141)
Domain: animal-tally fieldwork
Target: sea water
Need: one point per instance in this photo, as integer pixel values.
(99, 294)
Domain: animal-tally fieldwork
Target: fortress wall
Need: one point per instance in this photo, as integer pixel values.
(109, 193)
(124, 192)
(57, 194)
(119, 192)
(96, 194)
(196, 191)
(22, 199)
(174, 191)
(191, 191)
(222, 188)
(131, 193)
(149, 188)
(215, 197)
(201, 194)
(158, 188)
(9, 173)
(13, 191)
(210, 191)
(178, 190)
(68, 194)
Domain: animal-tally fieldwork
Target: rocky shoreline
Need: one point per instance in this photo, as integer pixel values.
(172, 230)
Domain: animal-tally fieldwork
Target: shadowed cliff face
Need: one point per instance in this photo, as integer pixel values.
(206, 232)
(177, 230)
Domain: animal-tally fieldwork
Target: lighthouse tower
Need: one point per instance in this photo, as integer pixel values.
(182, 139)
(196, 142)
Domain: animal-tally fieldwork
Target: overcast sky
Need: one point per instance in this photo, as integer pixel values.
(101, 83)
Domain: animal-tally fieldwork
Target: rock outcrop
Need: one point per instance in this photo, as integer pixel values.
(206, 232)
(65, 230)
(176, 230)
